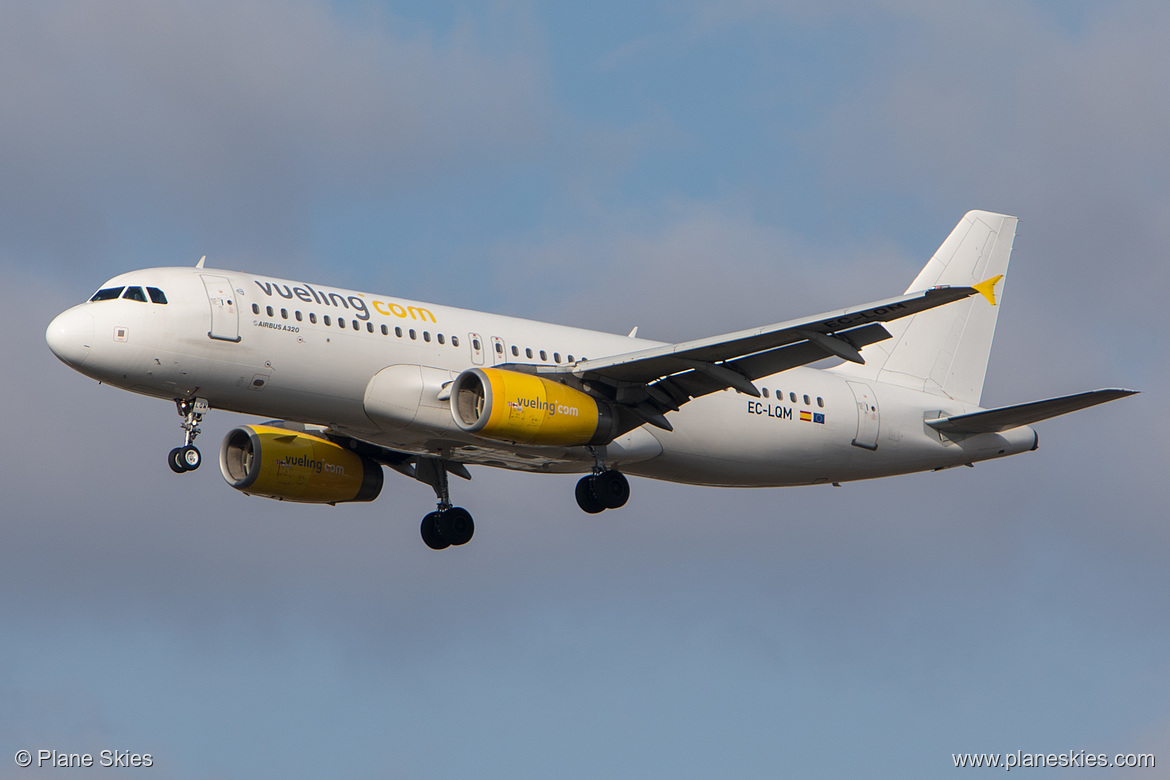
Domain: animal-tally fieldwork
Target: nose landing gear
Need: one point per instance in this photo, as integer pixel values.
(188, 457)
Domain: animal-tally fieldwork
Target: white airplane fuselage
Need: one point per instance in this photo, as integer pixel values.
(275, 348)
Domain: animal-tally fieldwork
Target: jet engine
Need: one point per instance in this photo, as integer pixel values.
(496, 403)
(263, 460)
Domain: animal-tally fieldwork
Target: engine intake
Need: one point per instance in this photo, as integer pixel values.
(261, 460)
(496, 403)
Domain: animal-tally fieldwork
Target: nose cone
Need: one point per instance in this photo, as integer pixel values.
(70, 336)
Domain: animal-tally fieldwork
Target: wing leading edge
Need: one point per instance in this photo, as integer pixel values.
(651, 382)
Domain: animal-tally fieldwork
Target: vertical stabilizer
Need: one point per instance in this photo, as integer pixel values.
(944, 351)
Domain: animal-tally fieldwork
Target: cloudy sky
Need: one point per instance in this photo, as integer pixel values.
(691, 168)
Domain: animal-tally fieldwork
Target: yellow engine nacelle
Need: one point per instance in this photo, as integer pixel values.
(496, 403)
(261, 460)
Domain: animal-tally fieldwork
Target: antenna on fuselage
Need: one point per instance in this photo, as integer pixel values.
(200, 263)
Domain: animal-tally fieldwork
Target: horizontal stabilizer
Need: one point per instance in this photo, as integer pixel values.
(996, 420)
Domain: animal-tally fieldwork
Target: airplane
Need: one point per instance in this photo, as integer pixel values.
(360, 381)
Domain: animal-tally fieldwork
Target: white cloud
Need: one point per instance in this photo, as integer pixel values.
(693, 269)
(235, 116)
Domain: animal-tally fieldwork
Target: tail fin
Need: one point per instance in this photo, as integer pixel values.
(944, 351)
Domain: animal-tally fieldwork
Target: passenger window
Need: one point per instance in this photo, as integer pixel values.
(134, 294)
(499, 348)
(556, 357)
(255, 308)
(156, 295)
(792, 397)
(269, 310)
(108, 294)
(515, 351)
(356, 325)
(413, 335)
(820, 402)
(369, 327)
(284, 314)
(475, 345)
(385, 331)
(426, 336)
(298, 315)
(341, 322)
(569, 358)
(528, 352)
(440, 338)
(543, 355)
(398, 332)
(313, 317)
(807, 401)
(455, 341)
(326, 320)
(765, 392)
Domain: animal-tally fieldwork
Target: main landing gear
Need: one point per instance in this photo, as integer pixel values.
(601, 490)
(447, 526)
(187, 457)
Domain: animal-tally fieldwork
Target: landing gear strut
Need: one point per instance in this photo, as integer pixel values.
(187, 457)
(603, 489)
(447, 526)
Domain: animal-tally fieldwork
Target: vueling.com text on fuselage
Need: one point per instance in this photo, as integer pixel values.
(355, 303)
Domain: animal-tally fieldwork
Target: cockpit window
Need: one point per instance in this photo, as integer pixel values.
(108, 294)
(156, 295)
(134, 294)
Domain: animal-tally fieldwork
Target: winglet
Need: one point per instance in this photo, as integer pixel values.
(200, 263)
(986, 288)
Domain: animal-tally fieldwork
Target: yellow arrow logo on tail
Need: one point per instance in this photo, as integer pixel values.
(986, 288)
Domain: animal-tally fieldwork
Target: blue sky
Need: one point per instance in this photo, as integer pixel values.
(690, 168)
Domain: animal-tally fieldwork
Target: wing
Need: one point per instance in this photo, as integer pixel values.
(996, 420)
(651, 382)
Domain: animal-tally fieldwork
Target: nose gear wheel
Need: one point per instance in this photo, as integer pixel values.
(188, 457)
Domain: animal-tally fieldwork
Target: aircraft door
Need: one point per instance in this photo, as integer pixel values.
(868, 421)
(476, 348)
(225, 318)
(498, 353)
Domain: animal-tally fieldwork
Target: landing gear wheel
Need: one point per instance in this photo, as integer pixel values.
(587, 496)
(611, 488)
(187, 458)
(190, 457)
(432, 532)
(457, 526)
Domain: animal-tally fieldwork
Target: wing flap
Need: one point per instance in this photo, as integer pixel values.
(1006, 417)
(773, 361)
(849, 328)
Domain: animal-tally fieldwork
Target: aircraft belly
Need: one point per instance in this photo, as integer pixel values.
(472, 451)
